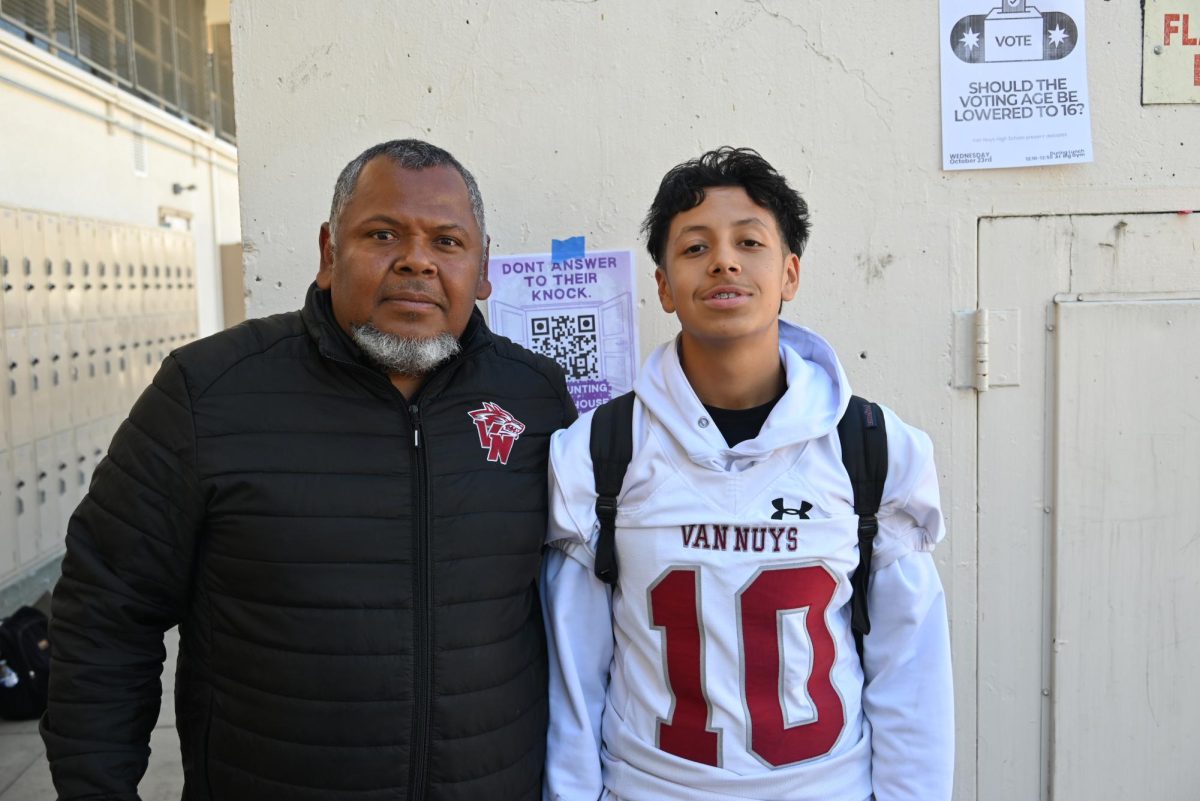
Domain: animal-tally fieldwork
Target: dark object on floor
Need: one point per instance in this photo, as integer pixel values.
(24, 664)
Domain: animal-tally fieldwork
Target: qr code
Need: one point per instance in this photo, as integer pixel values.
(569, 339)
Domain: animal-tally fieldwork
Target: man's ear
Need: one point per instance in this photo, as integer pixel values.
(484, 290)
(664, 291)
(791, 276)
(325, 245)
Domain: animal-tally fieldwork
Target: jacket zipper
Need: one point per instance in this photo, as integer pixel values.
(422, 623)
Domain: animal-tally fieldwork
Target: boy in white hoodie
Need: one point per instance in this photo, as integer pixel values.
(722, 666)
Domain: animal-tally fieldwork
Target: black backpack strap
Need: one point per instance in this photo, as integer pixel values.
(864, 453)
(612, 448)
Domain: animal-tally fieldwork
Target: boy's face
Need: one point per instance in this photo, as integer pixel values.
(726, 270)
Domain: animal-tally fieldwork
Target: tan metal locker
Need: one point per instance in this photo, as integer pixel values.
(51, 277)
(12, 255)
(78, 373)
(58, 380)
(125, 359)
(155, 255)
(40, 396)
(93, 376)
(104, 271)
(24, 474)
(115, 391)
(20, 387)
(62, 484)
(100, 434)
(90, 254)
(72, 261)
(81, 465)
(45, 456)
(33, 268)
(8, 517)
(136, 273)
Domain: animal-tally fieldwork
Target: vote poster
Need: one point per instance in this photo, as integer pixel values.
(1014, 84)
(575, 306)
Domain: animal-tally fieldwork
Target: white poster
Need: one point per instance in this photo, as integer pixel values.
(1014, 84)
(575, 306)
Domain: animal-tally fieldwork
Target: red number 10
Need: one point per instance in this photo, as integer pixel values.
(675, 608)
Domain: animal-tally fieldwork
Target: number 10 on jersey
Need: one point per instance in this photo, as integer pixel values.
(675, 610)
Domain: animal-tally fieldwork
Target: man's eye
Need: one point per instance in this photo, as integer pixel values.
(447, 241)
(382, 236)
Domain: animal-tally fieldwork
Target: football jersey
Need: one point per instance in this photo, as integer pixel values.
(731, 671)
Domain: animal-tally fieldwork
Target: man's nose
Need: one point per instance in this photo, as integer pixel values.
(416, 258)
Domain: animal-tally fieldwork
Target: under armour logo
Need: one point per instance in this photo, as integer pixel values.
(781, 510)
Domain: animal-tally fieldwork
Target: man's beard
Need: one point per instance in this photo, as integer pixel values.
(404, 356)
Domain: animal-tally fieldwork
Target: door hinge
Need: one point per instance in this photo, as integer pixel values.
(987, 349)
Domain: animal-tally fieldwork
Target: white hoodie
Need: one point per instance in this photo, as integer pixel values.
(723, 666)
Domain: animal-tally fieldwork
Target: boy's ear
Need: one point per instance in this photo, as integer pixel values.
(791, 276)
(664, 291)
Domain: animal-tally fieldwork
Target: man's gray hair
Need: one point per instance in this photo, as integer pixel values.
(411, 154)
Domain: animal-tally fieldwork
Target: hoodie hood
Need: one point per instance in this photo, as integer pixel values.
(816, 397)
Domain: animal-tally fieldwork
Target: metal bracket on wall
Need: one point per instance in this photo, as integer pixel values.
(987, 349)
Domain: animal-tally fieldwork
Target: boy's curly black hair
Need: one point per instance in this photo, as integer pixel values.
(682, 188)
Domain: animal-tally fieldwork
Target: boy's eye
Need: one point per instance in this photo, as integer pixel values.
(751, 243)
(699, 247)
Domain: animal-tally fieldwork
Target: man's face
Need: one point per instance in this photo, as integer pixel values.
(726, 270)
(409, 258)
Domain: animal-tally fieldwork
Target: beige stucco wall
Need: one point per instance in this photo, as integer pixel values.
(570, 111)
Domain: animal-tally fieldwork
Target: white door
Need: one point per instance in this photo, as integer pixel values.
(1089, 542)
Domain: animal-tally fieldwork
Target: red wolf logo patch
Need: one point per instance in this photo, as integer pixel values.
(498, 430)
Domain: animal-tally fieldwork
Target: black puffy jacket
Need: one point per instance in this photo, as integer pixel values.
(352, 577)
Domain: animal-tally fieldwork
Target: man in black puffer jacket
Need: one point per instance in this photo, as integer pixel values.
(342, 508)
